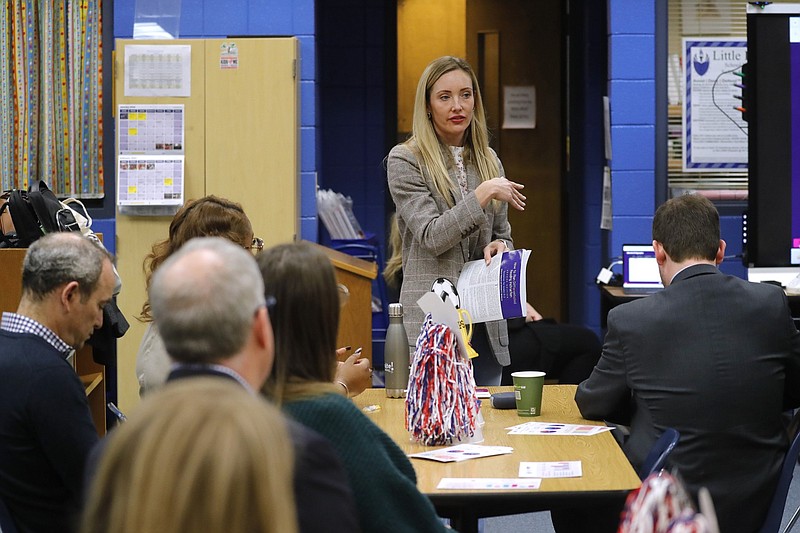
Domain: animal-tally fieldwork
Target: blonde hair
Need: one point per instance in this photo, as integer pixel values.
(201, 454)
(394, 265)
(426, 143)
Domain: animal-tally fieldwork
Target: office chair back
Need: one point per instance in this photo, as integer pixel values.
(658, 454)
(772, 523)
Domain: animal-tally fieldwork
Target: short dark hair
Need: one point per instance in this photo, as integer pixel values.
(688, 228)
(59, 258)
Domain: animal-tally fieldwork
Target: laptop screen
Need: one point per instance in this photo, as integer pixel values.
(639, 267)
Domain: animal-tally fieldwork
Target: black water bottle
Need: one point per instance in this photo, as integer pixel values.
(395, 355)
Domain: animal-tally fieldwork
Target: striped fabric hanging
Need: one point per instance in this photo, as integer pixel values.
(51, 95)
(6, 99)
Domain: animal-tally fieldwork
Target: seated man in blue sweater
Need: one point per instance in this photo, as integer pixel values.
(46, 428)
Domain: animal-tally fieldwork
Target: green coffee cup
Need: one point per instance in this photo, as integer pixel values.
(528, 392)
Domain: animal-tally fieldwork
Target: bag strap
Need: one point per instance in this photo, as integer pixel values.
(3, 208)
(45, 205)
(24, 218)
(69, 219)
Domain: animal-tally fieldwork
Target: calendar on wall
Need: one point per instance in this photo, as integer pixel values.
(150, 180)
(150, 162)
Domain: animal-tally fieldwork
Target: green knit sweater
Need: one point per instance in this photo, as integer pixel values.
(381, 476)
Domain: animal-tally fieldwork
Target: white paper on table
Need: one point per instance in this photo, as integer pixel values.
(551, 469)
(556, 428)
(484, 483)
(462, 452)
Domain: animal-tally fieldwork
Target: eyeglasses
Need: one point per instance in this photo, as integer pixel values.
(256, 246)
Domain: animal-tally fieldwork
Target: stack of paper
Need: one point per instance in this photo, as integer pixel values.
(336, 212)
(462, 452)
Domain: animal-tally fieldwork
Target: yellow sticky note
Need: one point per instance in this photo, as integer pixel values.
(133, 131)
(132, 189)
(167, 181)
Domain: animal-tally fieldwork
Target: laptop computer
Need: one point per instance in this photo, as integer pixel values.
(640, 269)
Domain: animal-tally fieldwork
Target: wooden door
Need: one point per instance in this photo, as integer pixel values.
(518, 43)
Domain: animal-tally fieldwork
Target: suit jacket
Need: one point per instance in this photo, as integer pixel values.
(718, 359)
(321, 488)
(438, 239)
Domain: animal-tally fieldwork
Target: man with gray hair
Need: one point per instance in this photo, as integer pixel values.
(47, 428)
(208, 302)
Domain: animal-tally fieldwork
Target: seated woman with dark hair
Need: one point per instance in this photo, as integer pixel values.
(305, 323)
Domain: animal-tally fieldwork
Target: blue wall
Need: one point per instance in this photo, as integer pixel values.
(357, 87)
(587, 157)
(632, 92)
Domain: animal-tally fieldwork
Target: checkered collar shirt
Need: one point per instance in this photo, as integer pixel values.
(14, 323)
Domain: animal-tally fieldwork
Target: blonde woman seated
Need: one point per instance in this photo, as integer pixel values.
(212, 216)
(199, 455)
(305, 322)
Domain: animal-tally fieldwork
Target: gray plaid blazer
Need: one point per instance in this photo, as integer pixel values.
(437, 239)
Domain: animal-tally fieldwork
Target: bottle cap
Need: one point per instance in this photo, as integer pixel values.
(395, 309)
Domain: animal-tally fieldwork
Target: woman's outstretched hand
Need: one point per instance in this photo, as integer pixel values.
(503, 190)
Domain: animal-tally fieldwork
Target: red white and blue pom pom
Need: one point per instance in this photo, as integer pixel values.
(441, 404)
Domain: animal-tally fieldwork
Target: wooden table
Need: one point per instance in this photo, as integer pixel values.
(606, 471)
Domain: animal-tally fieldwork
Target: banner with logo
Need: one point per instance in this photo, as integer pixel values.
(714, 134)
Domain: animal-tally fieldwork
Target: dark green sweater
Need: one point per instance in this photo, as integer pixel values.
(381, 476)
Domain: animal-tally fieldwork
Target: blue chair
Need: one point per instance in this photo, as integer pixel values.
(6, 522)
(775, 513)
(658, 454)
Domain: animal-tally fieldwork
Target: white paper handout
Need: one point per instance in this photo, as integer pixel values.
(554, 469)
(497, 291)
(491, 483)
(462, 452)
(555, 428)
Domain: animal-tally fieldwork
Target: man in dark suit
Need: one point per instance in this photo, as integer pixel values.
(208, 302)
(713, 356)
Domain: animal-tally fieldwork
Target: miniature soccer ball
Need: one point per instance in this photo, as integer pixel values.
(444, 289)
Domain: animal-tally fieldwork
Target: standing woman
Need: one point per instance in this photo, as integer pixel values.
(452, 200)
